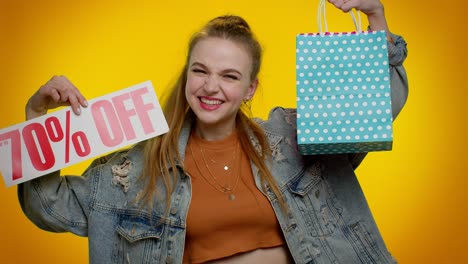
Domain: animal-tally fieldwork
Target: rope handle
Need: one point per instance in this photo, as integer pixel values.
(322, 16)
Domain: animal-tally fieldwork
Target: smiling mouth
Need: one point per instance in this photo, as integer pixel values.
(210, 101)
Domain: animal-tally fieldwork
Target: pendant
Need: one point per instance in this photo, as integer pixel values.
(226, 168)
(231, 197)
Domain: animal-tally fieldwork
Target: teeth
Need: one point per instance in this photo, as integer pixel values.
(211, 102)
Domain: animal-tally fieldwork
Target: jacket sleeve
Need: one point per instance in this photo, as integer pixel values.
(60, 203)
(397, 52)
(57, 204)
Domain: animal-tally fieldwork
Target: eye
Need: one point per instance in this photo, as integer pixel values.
(197, 70)
(231, 76)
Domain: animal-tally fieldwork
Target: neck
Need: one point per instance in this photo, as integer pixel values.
(212, 133)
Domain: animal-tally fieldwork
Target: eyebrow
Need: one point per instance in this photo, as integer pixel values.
(223, 71)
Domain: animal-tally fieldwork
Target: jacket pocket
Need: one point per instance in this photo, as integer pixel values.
(312, 197)
(139, 240)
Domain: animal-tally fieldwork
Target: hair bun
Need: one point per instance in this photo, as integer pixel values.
(229, 23)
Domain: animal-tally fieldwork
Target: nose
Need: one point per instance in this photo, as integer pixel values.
(211, 84)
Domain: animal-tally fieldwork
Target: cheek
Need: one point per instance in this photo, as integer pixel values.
(193, 84)
(237, 93)
(189, 86)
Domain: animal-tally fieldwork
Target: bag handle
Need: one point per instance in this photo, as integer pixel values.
(322, 16)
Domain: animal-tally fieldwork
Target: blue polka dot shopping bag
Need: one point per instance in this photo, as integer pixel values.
(343, 91)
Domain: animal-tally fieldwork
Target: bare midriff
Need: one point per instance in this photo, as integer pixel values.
(274, 255)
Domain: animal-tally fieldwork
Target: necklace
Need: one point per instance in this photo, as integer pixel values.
(214, 182)
(227, 186)
(226, 165)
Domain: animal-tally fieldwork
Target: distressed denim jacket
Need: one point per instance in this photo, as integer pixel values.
(328, 220)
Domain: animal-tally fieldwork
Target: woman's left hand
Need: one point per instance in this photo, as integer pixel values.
(373, 9)
(368, 7)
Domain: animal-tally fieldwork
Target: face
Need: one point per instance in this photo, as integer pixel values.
(218, 80)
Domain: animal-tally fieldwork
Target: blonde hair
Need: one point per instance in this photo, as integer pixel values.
(161, 153)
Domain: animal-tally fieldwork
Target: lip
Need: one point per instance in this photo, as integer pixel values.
(210, 106)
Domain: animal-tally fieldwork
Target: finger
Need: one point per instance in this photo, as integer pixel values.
(73, 96)
(340, 4)
(75, 104)
(76, 92)
(81, 99)
(346, 5)
(76, 99)
(350, 4)
(62, 85)
(56, 89)
(55, 95)
(334, 1)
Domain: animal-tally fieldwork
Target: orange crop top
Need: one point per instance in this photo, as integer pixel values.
(219, 226)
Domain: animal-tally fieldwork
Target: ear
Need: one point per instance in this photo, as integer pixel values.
(251, 90)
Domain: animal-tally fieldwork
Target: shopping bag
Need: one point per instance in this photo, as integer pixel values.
(343, 92)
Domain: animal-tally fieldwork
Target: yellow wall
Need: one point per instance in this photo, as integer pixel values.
(417, 191)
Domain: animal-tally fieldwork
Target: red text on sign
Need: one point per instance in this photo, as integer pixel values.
(37, 139)
(15, 137)
(34, 134)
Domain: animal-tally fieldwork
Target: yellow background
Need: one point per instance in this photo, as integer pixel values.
(416, 191)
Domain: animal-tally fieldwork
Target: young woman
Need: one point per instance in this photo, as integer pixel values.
(219, 187)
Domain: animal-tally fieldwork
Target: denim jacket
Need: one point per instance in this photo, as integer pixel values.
(328, 220)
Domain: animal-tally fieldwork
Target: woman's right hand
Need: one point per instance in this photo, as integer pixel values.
(58, 91)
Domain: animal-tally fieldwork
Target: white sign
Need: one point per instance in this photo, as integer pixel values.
(60, 139)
